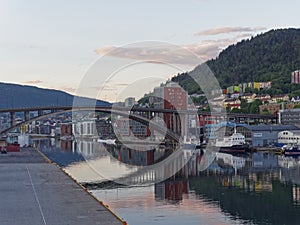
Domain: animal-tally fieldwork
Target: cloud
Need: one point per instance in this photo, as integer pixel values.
(122, 84)
(32, 82)
(226, 30)
(152, 53)
(183, 54)
(210, 48)
(68, 89)
(245, 35)
(105, 50)
(189, 54)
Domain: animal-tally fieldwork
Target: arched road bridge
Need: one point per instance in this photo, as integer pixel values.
(139, 114)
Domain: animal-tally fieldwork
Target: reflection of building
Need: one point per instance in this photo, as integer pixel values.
(264, 161)
(296, 195)
(247, 184)
(171, 190)
(89, 149)
(66, 145)
(136, 157)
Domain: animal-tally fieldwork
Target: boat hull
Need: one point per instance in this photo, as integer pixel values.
(292, 152)
(234, 149)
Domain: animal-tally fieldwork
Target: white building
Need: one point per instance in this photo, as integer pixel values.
(85, 129)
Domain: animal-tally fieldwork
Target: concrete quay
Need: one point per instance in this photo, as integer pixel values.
(36, 192)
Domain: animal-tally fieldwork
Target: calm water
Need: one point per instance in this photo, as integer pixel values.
(260, 188)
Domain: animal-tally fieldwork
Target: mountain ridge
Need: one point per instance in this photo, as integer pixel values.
(21, 96)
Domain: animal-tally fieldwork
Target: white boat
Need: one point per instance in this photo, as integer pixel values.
(235, 143)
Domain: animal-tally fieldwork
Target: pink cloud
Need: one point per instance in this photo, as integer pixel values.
(226, 30)
(32, 82)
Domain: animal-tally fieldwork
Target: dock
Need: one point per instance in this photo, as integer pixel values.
(36, 192)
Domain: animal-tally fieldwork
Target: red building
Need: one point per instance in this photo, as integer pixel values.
(174, 97)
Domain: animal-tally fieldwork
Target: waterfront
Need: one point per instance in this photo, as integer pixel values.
(264, 189)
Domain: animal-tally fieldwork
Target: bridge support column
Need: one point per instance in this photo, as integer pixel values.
(12, 119)
(184, 124)
(40, 112)
(177, 124)
(173, 122)
(27, 115)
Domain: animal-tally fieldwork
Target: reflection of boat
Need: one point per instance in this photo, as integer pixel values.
(230, 160)
(233, 144)
(288, 162)
(291, 150)
(107, 141)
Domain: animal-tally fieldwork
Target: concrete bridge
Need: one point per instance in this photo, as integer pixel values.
(140, 114)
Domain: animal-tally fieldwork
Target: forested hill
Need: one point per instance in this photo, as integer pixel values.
(270, 56)
(20, 96)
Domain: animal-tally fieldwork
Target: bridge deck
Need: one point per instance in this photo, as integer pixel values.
(33, 191)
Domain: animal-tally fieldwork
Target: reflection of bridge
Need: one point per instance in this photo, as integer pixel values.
(143, 115)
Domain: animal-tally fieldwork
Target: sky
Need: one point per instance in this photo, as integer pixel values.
(56, 44)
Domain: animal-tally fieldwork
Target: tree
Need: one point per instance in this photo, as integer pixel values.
(254, 106)
(265, 111)
(244, 106)
(236, 110)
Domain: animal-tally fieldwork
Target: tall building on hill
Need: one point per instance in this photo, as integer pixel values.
(171, 96)
(295, 78)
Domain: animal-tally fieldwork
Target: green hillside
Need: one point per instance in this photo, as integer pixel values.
(270, 56)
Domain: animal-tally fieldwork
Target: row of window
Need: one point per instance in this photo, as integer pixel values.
(289, 138)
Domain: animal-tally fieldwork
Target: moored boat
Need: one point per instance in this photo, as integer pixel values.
(232, 144)
(291, 150)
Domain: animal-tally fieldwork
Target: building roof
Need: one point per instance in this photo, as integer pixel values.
(261, 127)
(280, 96)
(264, 127)
(248, 94)
(290, 110)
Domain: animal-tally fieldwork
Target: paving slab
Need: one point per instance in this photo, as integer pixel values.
(33, 191)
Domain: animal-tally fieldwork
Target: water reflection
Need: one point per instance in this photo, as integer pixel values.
(259, 188)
